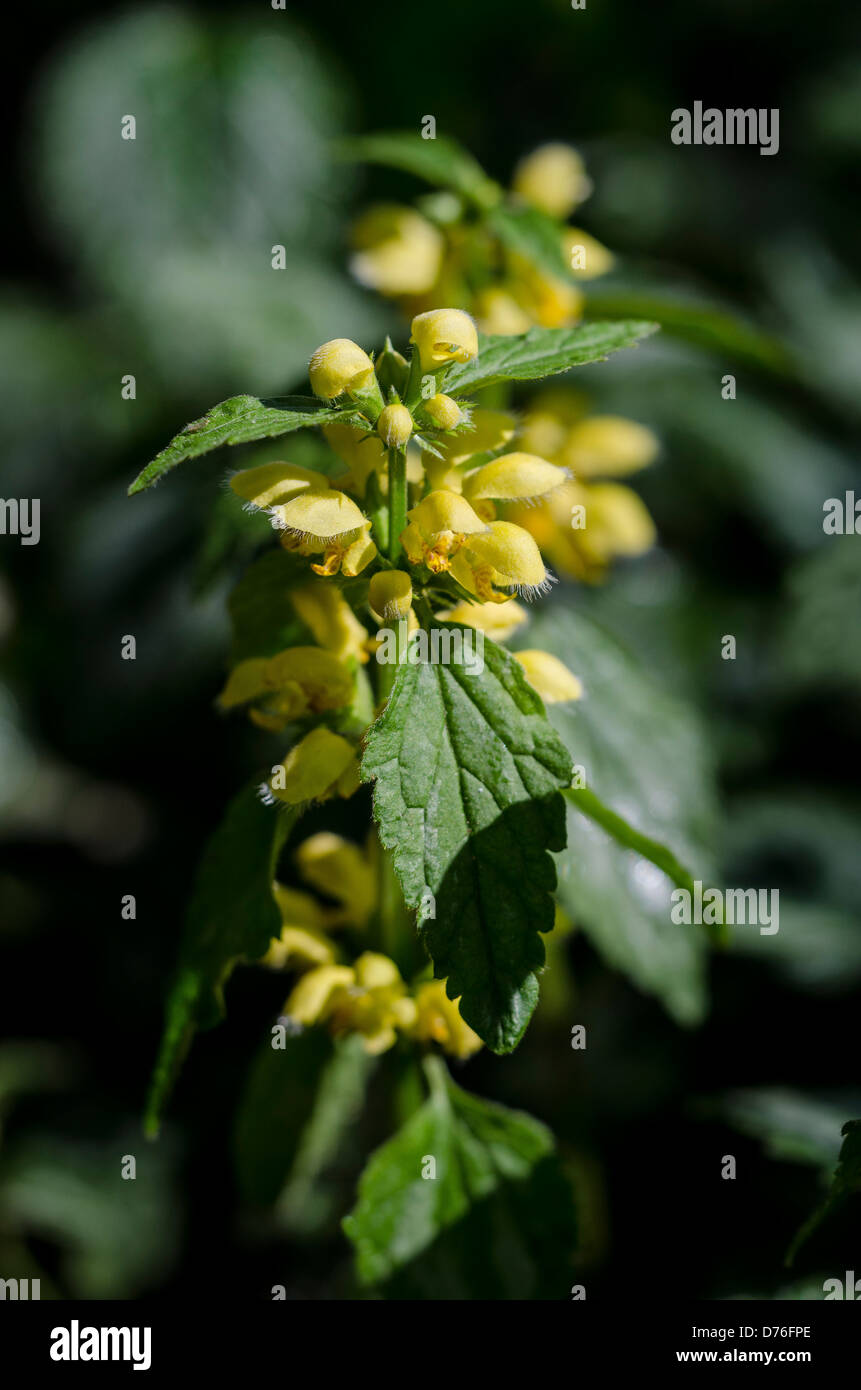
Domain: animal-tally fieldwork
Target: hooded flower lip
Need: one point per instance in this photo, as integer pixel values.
(317, 767)
(514, 477)
(549, 676)
(331, 620)
(504, 558)
(609, 446)
(444, 335)
(321, 514)
(297, 681)
(270, 483)
(497, 620)
(334, 365)
(438, 528)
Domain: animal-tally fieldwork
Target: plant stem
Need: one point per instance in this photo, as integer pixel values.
(397, 500)
(436, 1075)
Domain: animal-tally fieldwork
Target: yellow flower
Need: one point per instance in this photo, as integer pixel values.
(513, 477)
(390, 594)
(608, 446)
(618, 523)
(505, 557)
(552, 178)
(497, 311)
(497, 620)
(549, 300)
(444, 335)
(334, 366)
(438, 1020)
(317, 767)
(370, 999)
(302, 941)
(583, 528)
(547, 674)
(585, 257)
(296, 681)
(329, 521)
(269, 483)
(443, 412)
(343, 871)
(363, 453)
(394, 426)
(398, 251)
(331, 620)
(438, 526)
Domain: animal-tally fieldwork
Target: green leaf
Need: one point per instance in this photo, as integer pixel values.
(643, 752)
(541, 352)
(495, 1209)
(442, 162)
(708, 326)
(262, 617)
(232, 916)
(534, 235)
(792, 1127)
(300, 1106)
(846, 1183)
(468, 773)
(240, 420)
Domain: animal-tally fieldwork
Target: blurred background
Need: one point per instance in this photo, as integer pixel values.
(152, 258)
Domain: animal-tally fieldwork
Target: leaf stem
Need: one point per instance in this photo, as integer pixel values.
(624, 834)
(397, 500)
(436, 1075)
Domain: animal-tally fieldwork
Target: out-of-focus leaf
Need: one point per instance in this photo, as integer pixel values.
(793, 1127)
(261, 613)
(441, 161)
(816, 646)
(117, 1237)
(232, 916)
(533, 234)
(492, 1212)
(541, 352)
(643, 752)
(467, 774)
(709, 326)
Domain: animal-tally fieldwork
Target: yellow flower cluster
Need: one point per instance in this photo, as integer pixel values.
(368, 996)
(439, 258)
(591, 519)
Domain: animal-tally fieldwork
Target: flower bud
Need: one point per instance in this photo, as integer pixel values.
(334, 365)
(443, 412)
(552, 178)
(398, 251)
(390, 594)
(444, 335)
(395, 426)
(547, 674)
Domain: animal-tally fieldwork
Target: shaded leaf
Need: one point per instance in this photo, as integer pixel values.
(442, 162)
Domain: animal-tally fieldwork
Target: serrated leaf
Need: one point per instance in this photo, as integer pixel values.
(644, 754)
(442, 162)
(541, 352)
(846, 1183)
(534, 235)
(496, 1202)
(239, 420)
(468, 773)
(231, 916)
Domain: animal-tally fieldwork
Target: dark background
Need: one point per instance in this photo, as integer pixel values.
(115, 771)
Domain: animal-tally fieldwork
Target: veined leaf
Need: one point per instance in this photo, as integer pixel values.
(240, 420)
(642, 751)
(232, 916)
(442, 162)
(468, 774)
(541, 352)
(496, 1185)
